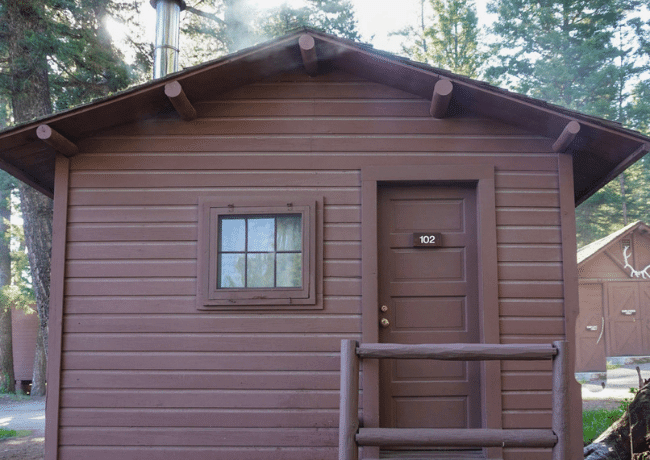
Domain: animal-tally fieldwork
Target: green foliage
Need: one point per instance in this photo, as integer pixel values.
(330, 16)
(7, 433)
(594, 422)
(450, 41)
(590, 56)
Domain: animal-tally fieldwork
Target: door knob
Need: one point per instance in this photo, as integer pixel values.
(592, 328)
(384, 322)
(628, 312)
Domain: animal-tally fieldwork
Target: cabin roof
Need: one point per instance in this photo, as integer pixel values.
(601, 150)
(591, 249)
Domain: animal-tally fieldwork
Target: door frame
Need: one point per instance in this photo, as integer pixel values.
(483, 177)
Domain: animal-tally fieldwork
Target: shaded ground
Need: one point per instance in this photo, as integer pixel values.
(26, 415)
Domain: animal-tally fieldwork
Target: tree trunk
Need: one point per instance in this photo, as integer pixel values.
(37, 222)
(30, 98)
(615, 443)
(7, 377)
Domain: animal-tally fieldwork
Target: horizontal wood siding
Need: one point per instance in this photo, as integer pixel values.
(147, 375)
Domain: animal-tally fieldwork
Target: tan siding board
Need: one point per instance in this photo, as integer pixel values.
(196, 453)
(532, 419)
(528, 454)
(185, 436)
(518, 400)
(532, 326)
(204, 341)
(528, 216)
(176, 286)
(318, 90)
(189, 232)
(529, 252)
(199, 399)
(207, 322)
(167, 179)
(124, 205)
(330, 108)
(531, 289)
(526, 381)
(200, 418)
(529, 235)
(525, 180)
(334, 212)
(321, 125)
(531, 307)
(313, 143)
(201, 380)
(517, 366)
(181, 305)
(543, 271)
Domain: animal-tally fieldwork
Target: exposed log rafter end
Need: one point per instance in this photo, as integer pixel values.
(308, 52)
(174, 91)
(441, 97)
(56, 140)
(567, 136)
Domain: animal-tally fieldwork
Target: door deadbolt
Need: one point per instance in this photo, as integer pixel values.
(384, 308)
(384, 322)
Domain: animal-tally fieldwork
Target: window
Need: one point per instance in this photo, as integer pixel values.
(256, 253)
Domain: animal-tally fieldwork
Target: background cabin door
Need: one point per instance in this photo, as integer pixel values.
(625, 318)
(431, 295)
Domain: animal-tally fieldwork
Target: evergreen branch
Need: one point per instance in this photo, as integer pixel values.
(203, 14)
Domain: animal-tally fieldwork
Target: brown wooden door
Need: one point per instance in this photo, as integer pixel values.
(624, 320)
(589, 333)
(431, 295)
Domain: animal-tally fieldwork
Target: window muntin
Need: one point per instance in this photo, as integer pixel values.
(260, 251)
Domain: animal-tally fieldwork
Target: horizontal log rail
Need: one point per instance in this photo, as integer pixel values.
(351, 436)
(455, 437)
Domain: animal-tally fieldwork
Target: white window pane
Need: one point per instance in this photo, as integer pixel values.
(260, 270)
(261, 233)
(289, 234)
(231, 271)
(233, 235)
(289, 270)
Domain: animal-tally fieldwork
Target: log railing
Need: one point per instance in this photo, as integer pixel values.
(351, 436)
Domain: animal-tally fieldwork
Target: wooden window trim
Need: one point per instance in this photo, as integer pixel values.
(209, 297)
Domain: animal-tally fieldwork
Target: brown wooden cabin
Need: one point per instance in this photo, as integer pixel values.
(24, 328)
(614, 288)
(162, 346)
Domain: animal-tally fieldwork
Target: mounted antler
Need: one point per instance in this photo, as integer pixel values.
(635, 273)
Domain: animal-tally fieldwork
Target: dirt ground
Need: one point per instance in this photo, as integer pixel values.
(26, 448)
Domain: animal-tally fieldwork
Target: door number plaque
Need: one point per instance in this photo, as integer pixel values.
(427, 240)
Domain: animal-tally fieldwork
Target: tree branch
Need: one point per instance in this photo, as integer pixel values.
(203, 14)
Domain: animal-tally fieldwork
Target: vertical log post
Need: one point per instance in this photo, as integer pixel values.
(349, 410)
(560, 421)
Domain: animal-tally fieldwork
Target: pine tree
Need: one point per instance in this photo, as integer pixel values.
(586, 55)
(53, 54)
(451, 41)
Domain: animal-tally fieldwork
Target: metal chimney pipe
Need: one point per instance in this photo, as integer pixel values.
(165, 55)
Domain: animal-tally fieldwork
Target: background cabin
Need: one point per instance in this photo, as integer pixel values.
(614, 298)
(24, 329)
(219, 231)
